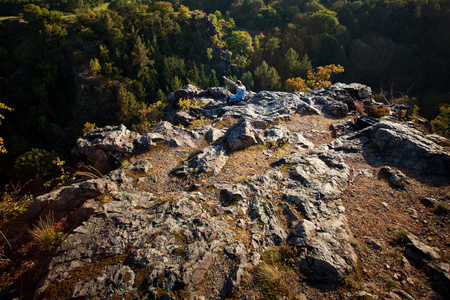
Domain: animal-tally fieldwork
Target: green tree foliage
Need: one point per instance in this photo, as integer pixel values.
(266, 17)
(247, 80)
(140, 59)
(36, 165)
(129, 107)
(293, 66)
(47, 23)
(240, 44)
(268, 77)
(95, 66)
(3, 107)
(441, 124)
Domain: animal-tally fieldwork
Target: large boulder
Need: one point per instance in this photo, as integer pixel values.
(277, 136)
(104, 147)
(165, 132)
(171, 244)
(355, 90)
(400, 146)
(404, 147)
(242, 135)
(69, 200)
(207, 160)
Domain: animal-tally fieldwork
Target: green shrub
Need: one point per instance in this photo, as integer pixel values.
(441, 125)
(441, 209)
(88, 126)
(400, 236)
(35, 164)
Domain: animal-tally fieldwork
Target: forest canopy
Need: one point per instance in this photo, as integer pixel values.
(65, 64)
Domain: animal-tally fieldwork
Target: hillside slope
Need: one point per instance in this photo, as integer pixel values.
(285, 195)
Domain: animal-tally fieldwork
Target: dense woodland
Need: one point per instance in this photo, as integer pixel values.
(66, 65)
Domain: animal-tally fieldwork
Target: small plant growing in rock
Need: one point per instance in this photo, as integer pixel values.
(88, 126)
(48, 234)
(441, 209)
(360, 109)
(269, 281)
(186, 104)
(400, 236)
(378, 111)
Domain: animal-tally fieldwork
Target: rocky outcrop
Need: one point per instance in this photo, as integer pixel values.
(105, 147)
(165, 132)
(242, 135)
(400, 146)
(207, 160)
(70, 201)
(197, 244)
(315, 184)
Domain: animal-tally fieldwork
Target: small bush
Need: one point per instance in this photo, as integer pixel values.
(400, 236)
(441, 209)
(379, 111)
(360, 109)
(441, 125)
(88, 126)
(13, 205)
(186, 104)
(149, 116)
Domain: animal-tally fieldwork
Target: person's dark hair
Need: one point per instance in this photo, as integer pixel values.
(239, 82)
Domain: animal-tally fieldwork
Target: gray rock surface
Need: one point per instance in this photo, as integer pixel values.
(69, 200)
(399, 146)
(395, 177)
(316, 180)
(277, 136)
(165, 132)
(201, 244)
(242, 135)
(104, 147)
(419, 251)
(207, 160)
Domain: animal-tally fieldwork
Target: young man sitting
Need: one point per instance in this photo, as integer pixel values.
(240, 91)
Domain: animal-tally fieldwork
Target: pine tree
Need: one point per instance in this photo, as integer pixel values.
(140, 59)
(268, 77)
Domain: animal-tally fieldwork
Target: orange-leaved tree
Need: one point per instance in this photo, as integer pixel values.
(317, 78)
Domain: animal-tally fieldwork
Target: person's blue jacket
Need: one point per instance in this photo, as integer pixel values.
(240, 92)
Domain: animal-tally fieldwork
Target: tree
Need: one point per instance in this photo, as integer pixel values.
(268, 76)
(266, 17)
(183, 17)
(46, 23)
(129, 107)
(213, 81)
(240, 43)
(140, 59)
(95, 66)
(441, 124)
(4, 107)
(319, 78)
(247, 80)
(297, 84)
(38, 17)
